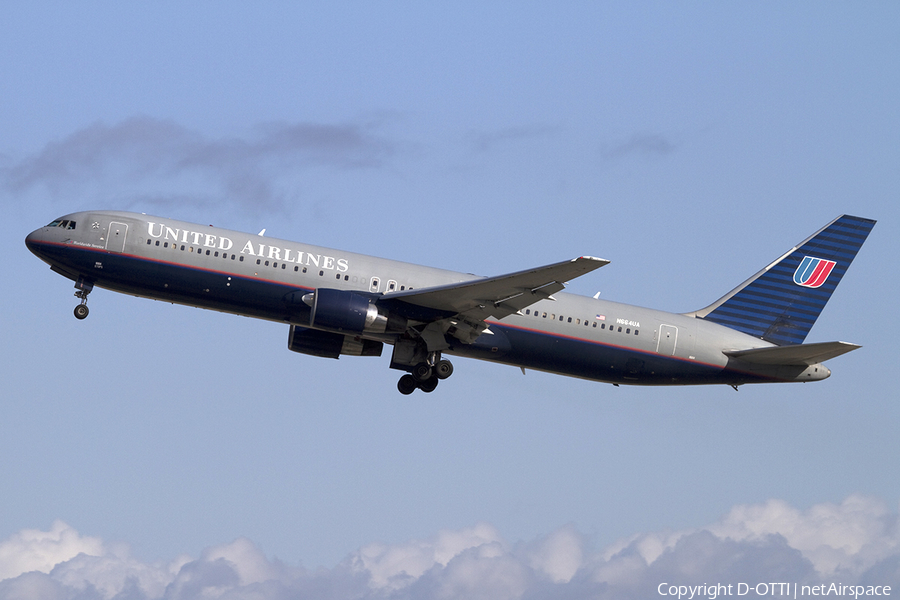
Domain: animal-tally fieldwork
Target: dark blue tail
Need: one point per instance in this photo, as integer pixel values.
(780, 303)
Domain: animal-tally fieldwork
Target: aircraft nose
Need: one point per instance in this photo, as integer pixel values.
(33, 239)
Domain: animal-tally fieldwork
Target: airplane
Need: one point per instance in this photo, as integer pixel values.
(341, 303)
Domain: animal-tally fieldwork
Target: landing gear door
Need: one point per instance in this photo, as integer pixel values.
(115, 238)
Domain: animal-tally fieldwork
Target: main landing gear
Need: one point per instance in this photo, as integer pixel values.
(425, 376)
(84, 288)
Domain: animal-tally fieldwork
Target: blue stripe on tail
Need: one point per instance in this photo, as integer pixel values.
(780, 303)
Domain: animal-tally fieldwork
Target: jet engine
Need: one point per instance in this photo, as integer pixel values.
(330, 345)
(346, 311)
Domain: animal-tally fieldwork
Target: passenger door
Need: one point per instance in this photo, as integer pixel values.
(115, 237)
(668, 338)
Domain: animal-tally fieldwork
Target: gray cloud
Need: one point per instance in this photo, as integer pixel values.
(143, 158)
(489, 140)
(640, 144)
(853, 543)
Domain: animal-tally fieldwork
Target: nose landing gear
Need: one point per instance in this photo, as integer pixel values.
(84, 288)
(425, 376)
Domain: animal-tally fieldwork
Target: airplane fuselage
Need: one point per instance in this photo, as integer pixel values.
(267, 278)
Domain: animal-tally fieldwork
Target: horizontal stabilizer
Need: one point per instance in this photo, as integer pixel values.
(798, 354)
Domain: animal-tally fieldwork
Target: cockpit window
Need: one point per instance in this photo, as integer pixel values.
(63, 224)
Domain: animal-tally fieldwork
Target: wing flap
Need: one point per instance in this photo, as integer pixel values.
(797, 354)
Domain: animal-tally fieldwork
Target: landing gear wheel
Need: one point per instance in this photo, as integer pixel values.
(421, 372)
(443, 369)
(428, 385)
(84, 288)
(407, 385)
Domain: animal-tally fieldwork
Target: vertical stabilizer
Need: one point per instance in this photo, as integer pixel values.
(781, 303)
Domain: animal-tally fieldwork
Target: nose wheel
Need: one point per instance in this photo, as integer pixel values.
(425, 377)
(81, 311)
(84, 288)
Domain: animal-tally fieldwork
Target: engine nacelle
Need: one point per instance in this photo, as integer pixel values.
(330, 345)
(345, 311)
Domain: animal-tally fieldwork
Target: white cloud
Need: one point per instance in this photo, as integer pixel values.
(851, 536)
(856, 541)
(34, 550)
(395, 566)
(558, 555)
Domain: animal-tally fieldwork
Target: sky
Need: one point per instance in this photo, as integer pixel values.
(160, 451)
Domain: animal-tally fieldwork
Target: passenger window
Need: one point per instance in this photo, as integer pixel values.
(283, 265)
(258, 261)
(296, 269)
(338, 276)
(569, 320)
(207, 252)
(620, 330)
(157, 242)
(148, 242)
(527, 311)
(635, 332)
(321, 273)
(628, 331)
(241, 259)
(182, 247)
(392, 285)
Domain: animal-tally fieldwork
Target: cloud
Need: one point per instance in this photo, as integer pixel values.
(162, 162)
(486, 141)
(855, 542)
(648, 145)
(33, 550)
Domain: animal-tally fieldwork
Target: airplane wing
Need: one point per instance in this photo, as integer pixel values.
(499, 296)
(797, 354)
